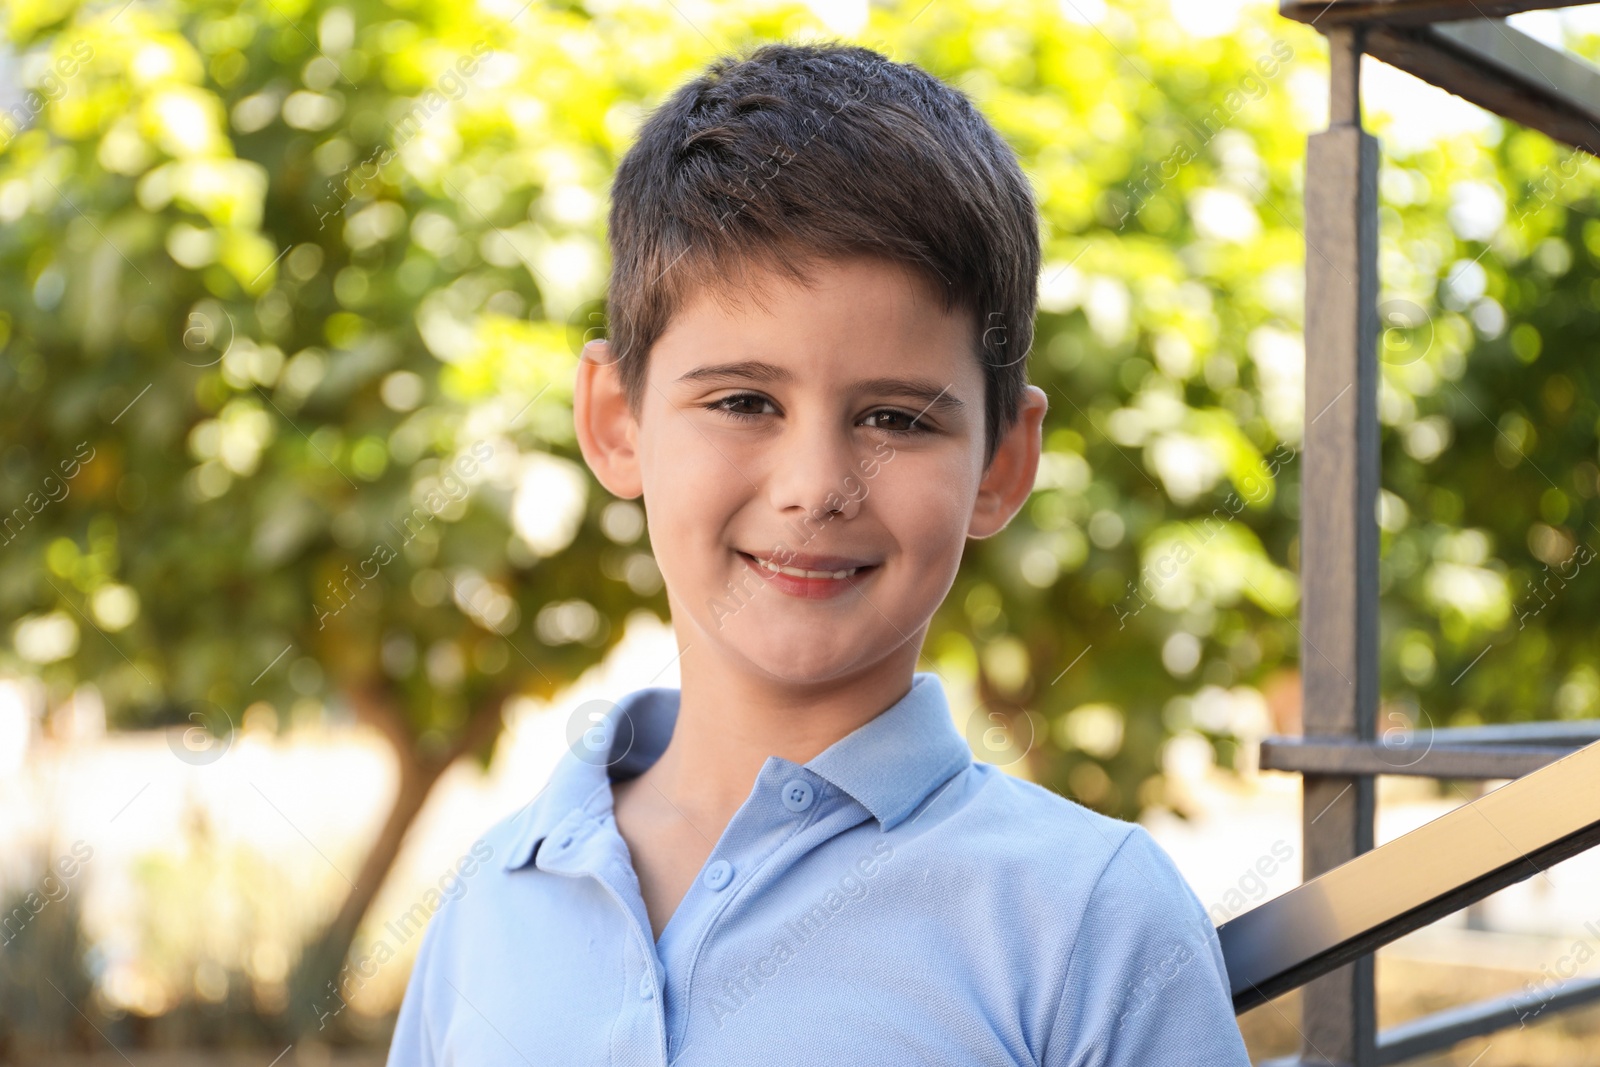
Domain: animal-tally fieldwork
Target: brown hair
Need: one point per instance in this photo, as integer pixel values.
(797, 153)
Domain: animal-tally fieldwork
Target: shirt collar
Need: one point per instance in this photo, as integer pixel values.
(629, 735)
(889, 764)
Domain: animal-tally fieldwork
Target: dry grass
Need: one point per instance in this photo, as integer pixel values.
(302, 1056)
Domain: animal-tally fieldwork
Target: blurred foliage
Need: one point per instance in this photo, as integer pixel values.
(295, 290)
(215, 923)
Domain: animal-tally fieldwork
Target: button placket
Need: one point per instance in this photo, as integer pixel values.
(562, 844)
(764, 831)
(718, 875)
(797, 794)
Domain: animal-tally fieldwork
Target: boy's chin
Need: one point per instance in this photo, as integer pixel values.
(802, 661)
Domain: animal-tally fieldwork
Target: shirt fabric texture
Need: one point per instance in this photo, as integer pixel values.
(891, 901)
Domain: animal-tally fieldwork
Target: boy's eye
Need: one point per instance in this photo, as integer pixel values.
(753, 405)
(900, 421)
(738, 405)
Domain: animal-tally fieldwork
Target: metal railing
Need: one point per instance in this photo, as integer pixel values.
(1510, 834)
(1355, 898)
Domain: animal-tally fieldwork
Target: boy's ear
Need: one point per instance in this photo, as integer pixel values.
(1008, 482)
(607, 432)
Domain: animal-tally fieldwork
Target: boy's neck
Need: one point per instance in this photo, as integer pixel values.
(729, 722)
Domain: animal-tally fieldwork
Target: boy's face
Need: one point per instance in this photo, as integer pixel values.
(783, 431)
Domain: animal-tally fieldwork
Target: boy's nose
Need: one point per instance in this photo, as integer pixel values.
(817, 471)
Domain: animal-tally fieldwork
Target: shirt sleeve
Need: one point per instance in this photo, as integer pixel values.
(413, 1043)
(1145, 982)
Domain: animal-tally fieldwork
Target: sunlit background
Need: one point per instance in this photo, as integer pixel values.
(303, 581)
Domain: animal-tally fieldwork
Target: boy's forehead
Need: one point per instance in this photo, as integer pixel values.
(757, 288)
(872, 300)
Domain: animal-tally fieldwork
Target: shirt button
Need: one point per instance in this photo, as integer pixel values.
(647, 988)
(797, 794)
(718, 874)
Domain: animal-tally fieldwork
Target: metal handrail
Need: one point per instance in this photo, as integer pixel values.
(1461, 857)
(1444, 1028)
(1503, 750)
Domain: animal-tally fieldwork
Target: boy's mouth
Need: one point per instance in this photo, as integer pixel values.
(819, 569)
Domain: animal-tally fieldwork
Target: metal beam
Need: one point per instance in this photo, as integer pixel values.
(1445, 1028)
(1573, 732)
(1500, 68)
(1338, 524)
(1322, 13)
(1423, 758)
(1501, 838)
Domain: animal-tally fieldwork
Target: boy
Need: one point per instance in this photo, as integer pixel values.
(824, 276)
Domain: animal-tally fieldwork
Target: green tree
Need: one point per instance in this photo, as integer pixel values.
(281, 419)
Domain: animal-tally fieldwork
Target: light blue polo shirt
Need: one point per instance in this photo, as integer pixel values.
(891, 901)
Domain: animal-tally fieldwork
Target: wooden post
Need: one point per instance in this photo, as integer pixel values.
(1338, 521)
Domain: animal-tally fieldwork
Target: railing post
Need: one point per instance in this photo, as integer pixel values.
(1338, 521)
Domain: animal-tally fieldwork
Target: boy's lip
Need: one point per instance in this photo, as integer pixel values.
(816, 563)
(804, 561)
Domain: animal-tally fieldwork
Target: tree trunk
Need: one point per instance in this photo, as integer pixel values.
(318, 986)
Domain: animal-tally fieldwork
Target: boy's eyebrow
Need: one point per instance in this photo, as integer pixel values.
(743, 370)
(931, 394)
